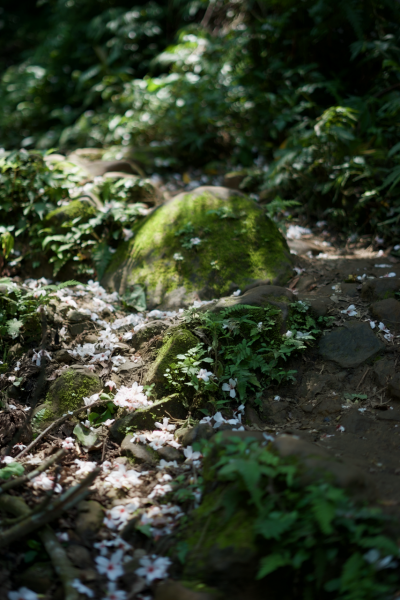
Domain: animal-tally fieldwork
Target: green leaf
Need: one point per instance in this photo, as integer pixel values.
(87, 437)
(135, 297)
(14, 327)
(272, 563)
(11, 469)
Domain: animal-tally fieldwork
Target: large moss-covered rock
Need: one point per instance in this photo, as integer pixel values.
(238, 245)
(67, 393)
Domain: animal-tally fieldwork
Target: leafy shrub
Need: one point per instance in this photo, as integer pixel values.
(322, 541)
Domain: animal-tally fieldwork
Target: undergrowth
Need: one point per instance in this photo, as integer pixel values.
(322, 542)
(244, 348)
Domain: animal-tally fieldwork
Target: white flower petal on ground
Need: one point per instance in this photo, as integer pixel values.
(195, 241)
(112, 567)
(165, 425)
(110, 384)
(23, 594)
(153, 567)
(123, 478)
(177, 256)
(237, 293)
(68, 443)
(350, 311)
(82, 589)
(127, 233)
(131, 398)
(84, 466)
(230, 387)
(44, 482)
(160, 490)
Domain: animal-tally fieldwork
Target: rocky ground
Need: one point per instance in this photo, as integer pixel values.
(95, 421)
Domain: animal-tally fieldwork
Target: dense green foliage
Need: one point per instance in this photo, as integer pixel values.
(309, 90)
(321, 542)
(244, 346)
(46, 207)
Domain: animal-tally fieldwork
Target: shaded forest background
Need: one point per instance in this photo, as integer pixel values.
(303, 94)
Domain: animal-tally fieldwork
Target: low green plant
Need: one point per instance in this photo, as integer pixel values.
(245, 345)
(326, 544)
(184, 371)
(20, 309)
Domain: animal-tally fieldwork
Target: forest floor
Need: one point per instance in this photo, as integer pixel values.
(345, 402)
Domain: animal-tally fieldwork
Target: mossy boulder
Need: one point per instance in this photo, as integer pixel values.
(177, 341)
(238, 245)
(64, 215)
(67, 393)
(145, 418)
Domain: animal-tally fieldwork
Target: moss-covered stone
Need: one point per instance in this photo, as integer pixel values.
(176, 341)
(67, 393)
(64, 215)
(239, 245)
(218, 545)
(146, 417)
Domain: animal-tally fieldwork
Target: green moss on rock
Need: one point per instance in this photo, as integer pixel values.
(67, 392)
(176, 341)
(146, 417)
(239, 245)
(64, 215)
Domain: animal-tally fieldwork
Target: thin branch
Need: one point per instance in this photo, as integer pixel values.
(21, 480)
(33, 522)
(59, 422)
(62, 565)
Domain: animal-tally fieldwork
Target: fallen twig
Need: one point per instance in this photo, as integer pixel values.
(35, 521)
(62, 565)
(58, 422)
(24, 478)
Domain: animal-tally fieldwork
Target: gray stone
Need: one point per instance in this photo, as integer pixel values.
(139, 452)
(38, 577)
(350, 289)
(149, 331)
(387, 311)
(380, 289)
(394, 385)
(79, 556)
(169, 453)
(233, 179)
(203, 431)
(63, 356)
(328, 406)
(350, 345)
(383, 371)
(76, 316)
(388, 415)
(90, 518)
(146, 417)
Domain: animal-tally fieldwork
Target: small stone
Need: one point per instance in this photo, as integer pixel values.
(328, 406)
(169, 453)
(388, 415)
(380, 289)
(139, 452)
(75, 316)
(350, 289)
(387, 311)
(350, 345)
(202, 431)
(383, 371)
(394, 386)
(174, 590)
(90, 518)
(63, 356)
(79, 556)
(38, 577)
(146, 417)
(252, 418)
